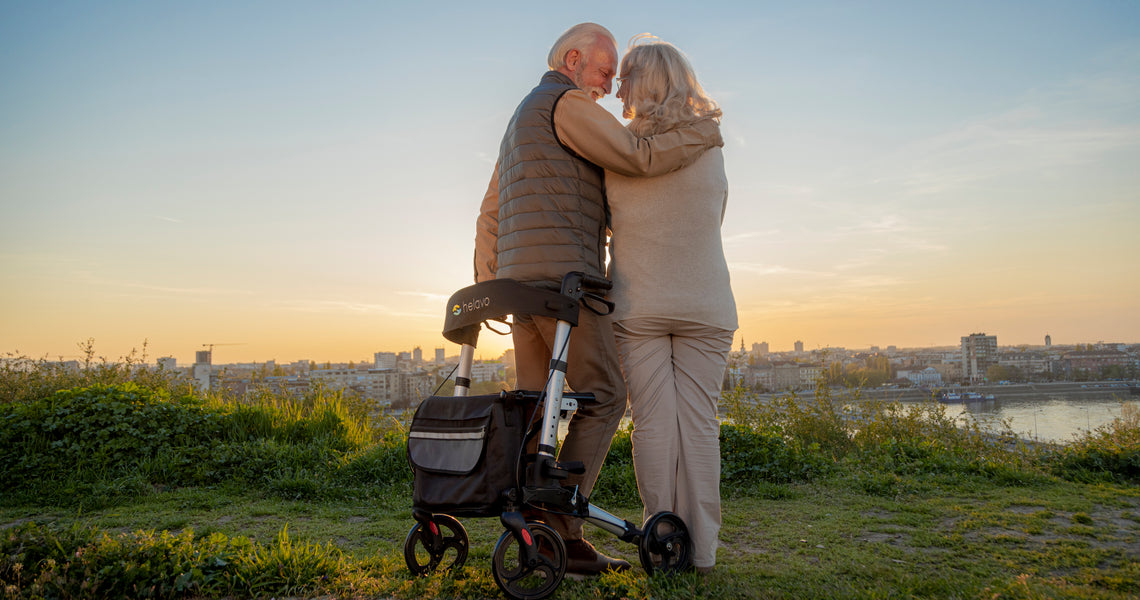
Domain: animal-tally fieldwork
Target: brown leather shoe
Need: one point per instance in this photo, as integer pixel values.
(583, 559)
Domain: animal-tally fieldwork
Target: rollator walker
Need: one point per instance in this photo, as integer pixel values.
(469, 454)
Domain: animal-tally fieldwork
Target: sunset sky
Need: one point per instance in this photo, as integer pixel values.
(301, 179)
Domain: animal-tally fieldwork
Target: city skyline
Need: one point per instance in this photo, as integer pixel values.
(451, 352)
(303, 180)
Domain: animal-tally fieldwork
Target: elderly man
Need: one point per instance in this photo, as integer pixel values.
(545, 214)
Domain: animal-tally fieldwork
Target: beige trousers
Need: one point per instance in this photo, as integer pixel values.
(674, 371)
(592, 366)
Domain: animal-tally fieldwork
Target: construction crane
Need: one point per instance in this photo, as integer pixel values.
(211, 347)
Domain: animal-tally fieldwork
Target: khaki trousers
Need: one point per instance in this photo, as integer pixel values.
(674, 371)
(592, 366)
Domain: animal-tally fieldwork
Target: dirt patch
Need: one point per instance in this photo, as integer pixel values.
(15, 523)
(1025, 510)
(1103, 528)
(894, 539)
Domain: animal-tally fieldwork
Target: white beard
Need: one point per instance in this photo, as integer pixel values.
(595, 92)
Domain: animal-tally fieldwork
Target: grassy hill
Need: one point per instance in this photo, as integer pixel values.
(120, 482)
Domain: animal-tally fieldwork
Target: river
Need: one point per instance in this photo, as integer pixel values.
(1049, 412)
(1053, 419)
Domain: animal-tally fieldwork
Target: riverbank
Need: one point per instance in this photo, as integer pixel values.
(1055, 412)
(1043, 390)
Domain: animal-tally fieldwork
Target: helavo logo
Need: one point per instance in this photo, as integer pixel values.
(472, 304)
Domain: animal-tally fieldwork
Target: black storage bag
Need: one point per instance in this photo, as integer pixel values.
(464, 452)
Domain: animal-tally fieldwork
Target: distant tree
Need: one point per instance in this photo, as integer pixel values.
(1000, 373)
(879, 363)
(1114, 372)
(873, 377)
(835, 374)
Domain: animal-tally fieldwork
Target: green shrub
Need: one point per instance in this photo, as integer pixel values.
(817, 420)
(617, 482)
(100, 430)
(1109, 453)
(38, 561)
(384, 462)
(321, 416)
(287, 567)
(42, 562)
(24, 379)
(885, 436)
(750, 457)
(63, 446)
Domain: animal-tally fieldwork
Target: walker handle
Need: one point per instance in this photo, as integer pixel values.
(575, 283)
(597, 283)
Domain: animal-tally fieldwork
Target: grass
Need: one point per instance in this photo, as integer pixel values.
(824, 497)
(823, 539)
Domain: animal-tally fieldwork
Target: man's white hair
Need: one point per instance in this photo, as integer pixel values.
(580, 37)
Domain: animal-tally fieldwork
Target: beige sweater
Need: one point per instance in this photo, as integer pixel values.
(668, 259)
(597, 136)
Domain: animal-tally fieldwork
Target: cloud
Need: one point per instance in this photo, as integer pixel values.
(89, 277)
(196, 291)
(880, 224)
(745, 236)
(1067, 126)
(861, 258)
(769, 269)
(865, 282)
(430, 296)
(345, 306)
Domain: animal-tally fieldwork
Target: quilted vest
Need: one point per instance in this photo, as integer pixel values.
(552, 211)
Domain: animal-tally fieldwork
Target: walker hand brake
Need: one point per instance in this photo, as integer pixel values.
(609, 306)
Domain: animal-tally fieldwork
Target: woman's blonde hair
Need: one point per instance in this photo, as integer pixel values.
(663, 90)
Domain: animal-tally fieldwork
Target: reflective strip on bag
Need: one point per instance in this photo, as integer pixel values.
(449, 435)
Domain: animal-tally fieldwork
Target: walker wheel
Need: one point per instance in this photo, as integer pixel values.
(523, 581)
(447, 548)
(665, 544)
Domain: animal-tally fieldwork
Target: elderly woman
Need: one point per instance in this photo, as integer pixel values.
(675, 314)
